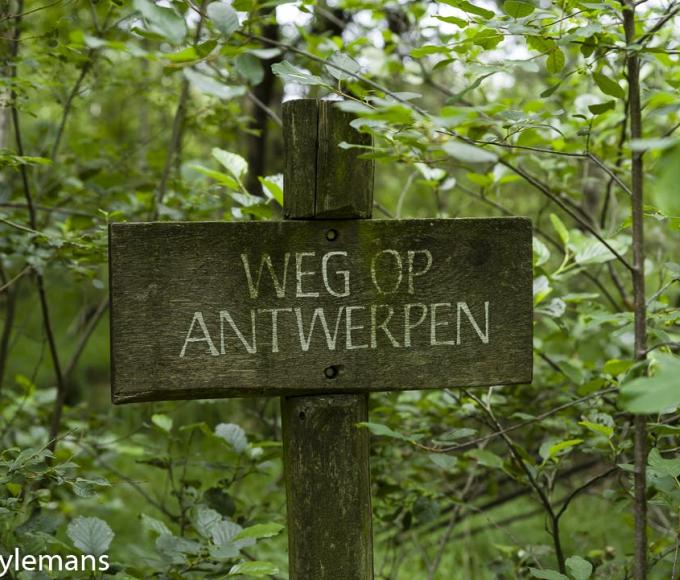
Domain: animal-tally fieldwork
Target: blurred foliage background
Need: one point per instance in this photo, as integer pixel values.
(117, 110)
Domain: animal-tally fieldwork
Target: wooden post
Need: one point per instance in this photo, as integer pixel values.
(326, 457)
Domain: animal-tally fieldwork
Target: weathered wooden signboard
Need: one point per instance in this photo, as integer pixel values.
(302, 307)
(320, 311)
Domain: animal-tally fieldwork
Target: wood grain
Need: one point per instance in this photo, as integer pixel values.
(325, 453)
(326, 458)
(163, 273)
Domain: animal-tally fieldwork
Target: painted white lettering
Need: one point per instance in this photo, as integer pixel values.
(198, 317)
(408, 325)
(399, 267)
(318, 313)
(434, 323)
(275, 331)
(344, 274)
(299, 274)
(382, 326)
(412, 273)
(350, 327)
(484, 336)
(279, 284)
(225, 316)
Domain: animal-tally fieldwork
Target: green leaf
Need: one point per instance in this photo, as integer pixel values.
(250, 68)
(154, 525)
(233, 163)
(660, 144)
(224, 531)
(90, 535)
(541, 253)
(162, 422)
(224, 17)
(668, 467)
(443, 461)
(667, 197)
(234, 435)
(600, 108)
(205, 519)
(345, 62)
(554, 450)
(459, 22)
(589, 250)
(259, 531)
(579, 568)
(541, 289)
(615, 367)
(175, 548)
(468, 153)
(213, 87)
(161, 20)
(88, 487)
(550, 90)
(560, 228)
(657, 393)
(555, 61)
(547, 574)
(292, 74)
(428, 49)
(272, 186)
(223, 178)
(608, 86)
(487, 38)
(255, 568)
(383, 431)
(470, 8)
(486, 458)
(517, 8)
(598, 428)
(188, 54)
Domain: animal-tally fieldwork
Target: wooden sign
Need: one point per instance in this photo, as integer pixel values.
(271, 308)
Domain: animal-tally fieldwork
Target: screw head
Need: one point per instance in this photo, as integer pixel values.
(331, 235)
(331, 372)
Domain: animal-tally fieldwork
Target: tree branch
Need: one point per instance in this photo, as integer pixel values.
(40, 282)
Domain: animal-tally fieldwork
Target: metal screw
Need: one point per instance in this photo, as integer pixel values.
(331, 235)
(331, 372)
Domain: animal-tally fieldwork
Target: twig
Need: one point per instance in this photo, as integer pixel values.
(672, 11)
(32, 11)
(383, 210)
(536, 419)
(519, 460)
(85, 337)
(50, 209)
(584, 487)
(557, 201)
(7, 284)
(177, 127)
(670, 344)
(591, 156)
(69, 102)
(158, 505)
(265, 108)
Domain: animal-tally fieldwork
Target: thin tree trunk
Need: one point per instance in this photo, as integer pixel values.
(638, 274)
